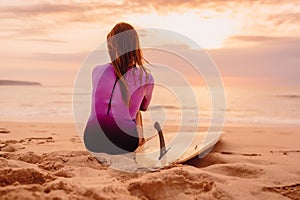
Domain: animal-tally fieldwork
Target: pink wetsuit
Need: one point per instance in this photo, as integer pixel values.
(111, 127)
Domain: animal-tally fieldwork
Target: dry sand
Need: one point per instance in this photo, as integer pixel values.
(48, 161)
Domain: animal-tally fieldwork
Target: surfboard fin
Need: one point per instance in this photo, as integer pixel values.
(163, 150)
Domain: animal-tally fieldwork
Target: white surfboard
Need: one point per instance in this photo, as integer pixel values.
(179, 147)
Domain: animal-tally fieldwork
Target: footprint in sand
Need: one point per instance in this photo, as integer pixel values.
(3, 130)
(242, 154)
(236, 170)
(40, 131)
(290, 191)
(76, 140)
(285, 152)
(39, 140)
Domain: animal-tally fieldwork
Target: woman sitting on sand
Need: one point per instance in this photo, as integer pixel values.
(120, 90)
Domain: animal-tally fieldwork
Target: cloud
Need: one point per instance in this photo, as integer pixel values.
(46, 40)
(49, 57)
(37, 9)
(264, 39)
(59, 57)
(279, 61)
(87, 10)
(33, 19)
(282, 18)
(70, 11)
(40, 19)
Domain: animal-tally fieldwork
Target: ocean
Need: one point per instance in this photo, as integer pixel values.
(260, 105)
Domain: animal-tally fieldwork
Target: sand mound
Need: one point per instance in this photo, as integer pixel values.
(22, 176)
(11, 146)
(28, 157)
(167, 184)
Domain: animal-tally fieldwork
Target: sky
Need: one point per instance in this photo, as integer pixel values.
(251, 42)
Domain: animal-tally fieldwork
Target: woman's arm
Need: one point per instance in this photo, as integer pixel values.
(147, 98)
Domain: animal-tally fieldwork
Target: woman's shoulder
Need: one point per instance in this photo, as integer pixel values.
(103, 67)
(151, 79)
(100, 69)
(148, 76)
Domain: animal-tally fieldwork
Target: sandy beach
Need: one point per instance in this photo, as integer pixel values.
(48, 161)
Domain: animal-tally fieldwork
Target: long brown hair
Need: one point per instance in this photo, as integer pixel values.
(125, 53)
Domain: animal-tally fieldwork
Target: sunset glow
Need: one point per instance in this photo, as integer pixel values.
(209, 33)
(47, 39)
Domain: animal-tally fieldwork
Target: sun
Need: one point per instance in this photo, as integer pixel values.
(210, 32)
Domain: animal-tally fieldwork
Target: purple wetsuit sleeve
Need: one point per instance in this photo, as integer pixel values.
(148, 95)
